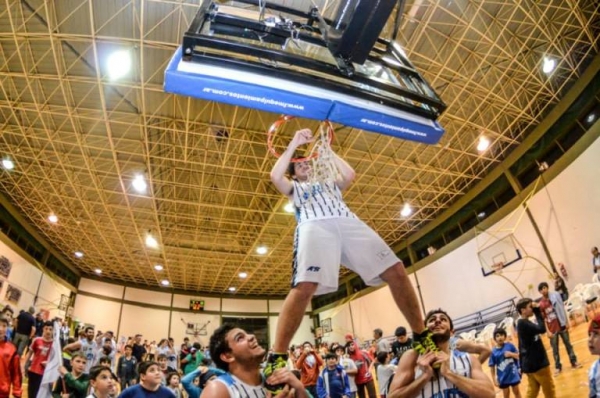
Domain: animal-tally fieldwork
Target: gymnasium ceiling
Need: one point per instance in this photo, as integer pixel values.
(77, 139)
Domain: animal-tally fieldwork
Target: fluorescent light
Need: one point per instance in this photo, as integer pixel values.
(164, 282)
(151, 241)
(261, 250)
(78, 254)
(289, 207)
(483, 144)
(549, 65)
(243, 275)
(232, 289)
(139, 183)
(8, 164)
(98, 271)
(158, 267)
(118, 64)
(406, 210)
(53, 218)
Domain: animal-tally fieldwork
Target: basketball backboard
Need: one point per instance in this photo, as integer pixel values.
(296, 62)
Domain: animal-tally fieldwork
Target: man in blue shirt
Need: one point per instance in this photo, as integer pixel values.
(504, 365)
(150, 383)
(333, 381)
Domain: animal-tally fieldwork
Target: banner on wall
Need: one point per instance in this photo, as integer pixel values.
(13, 294)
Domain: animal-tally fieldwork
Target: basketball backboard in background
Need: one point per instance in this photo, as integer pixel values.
(498, 255)
(297, 62)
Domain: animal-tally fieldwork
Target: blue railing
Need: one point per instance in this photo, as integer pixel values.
(494, 314)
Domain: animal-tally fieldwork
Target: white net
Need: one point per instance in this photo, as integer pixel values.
(323, 169)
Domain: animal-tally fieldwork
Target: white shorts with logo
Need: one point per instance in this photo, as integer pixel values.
(320, 246)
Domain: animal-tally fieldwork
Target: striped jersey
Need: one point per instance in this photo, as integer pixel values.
(439, 386)
(319, 201)
(239, 389)
(594, 377)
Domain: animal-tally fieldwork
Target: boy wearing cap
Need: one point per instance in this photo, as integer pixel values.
(333, 381)
(594, 347)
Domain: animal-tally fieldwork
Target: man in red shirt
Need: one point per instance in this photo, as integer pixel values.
(10, 370)
(364, 378)
(40, 349)
(557, 324)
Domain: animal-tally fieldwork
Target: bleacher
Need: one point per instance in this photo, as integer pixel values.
(494, 314)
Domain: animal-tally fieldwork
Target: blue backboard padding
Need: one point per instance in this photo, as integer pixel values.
(278, 100)
(369, 120)
(247, 95)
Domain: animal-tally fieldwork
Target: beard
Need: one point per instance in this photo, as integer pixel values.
(441, 337)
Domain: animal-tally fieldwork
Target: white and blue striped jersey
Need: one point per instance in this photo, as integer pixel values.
(89, 350)
(594, 378)
(440, 387)
(239, 389)
(319, 201)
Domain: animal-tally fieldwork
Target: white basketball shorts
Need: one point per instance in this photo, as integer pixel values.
(320, 246)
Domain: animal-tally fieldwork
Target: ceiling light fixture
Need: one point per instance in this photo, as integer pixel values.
(483, 144)
(78, 254)
(289, 207)
(261, 250)
(118, 64)
(591, 117)
(158, 267)
(53, 218)
(548, 65)
(139, 183)
(8, 164)
(98, 271)
(151, 242)
(406, 210)
(164, 282)
(243, 275)
(232, 289)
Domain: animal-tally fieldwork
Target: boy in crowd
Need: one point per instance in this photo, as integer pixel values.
(557, 324)
(534, 360)
(73, 384)
(193, 383)
(385, 373)
(333, 381)
(173, 384)
(594, 347)
(40, 350)
(101, 381)
(10, 368)
(193, 359)
(150, 383)
(127, 368)
(8, 313)
(504, 365)
(402, 344)
(240, 356)
(349, 367)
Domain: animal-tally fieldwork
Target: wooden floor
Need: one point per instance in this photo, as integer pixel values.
(570, 383)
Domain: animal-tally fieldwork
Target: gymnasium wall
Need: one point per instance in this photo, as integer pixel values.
(31, 281)
(154, 314)
(567, 212)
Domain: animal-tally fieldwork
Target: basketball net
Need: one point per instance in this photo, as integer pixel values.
(323, 169)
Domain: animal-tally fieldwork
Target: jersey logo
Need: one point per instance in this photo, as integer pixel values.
(313, 269)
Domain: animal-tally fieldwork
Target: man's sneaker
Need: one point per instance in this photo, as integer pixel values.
(423, 342)
(274, 362)
(557, 372)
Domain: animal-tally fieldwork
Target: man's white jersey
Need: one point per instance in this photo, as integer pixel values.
(439, 386)
(319, 201)
(89, 350)
(594, 378)
(239, 389)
